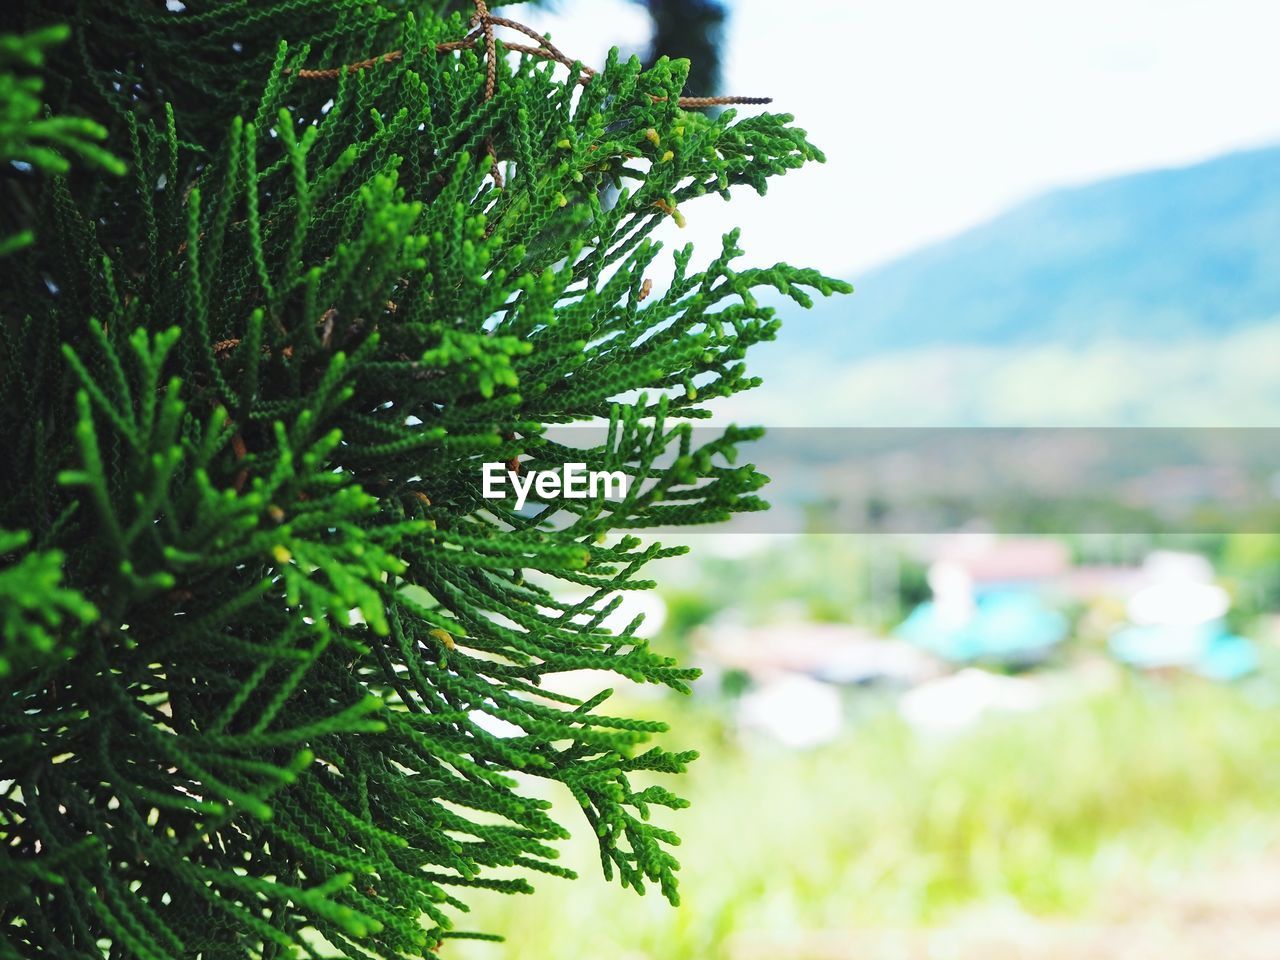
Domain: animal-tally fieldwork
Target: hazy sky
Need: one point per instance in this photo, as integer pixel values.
(937, 114)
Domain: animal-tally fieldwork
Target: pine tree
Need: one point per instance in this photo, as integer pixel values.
(267, 305)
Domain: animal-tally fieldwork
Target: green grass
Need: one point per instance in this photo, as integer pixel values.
(1044, 813)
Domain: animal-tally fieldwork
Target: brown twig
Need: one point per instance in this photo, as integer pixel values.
(326, 327)
(241, 451)
(543, 42)
(484, 23)
(333, 73)
(697, 103)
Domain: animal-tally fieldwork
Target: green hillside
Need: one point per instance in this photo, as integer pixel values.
(1224, 380)
(1160, 255)
(1150, 299)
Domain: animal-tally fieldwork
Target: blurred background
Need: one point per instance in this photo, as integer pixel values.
(995, 743)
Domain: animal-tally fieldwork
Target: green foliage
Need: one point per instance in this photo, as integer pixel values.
(35, 609)
(248, 389)
(824, 578)
(1051, 814)
(29, 135)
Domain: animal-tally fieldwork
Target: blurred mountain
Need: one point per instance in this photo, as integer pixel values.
(1162, 255)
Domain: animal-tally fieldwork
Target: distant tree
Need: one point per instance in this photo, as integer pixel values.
(692, 30)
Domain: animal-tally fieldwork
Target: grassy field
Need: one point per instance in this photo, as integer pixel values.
(1051, 815)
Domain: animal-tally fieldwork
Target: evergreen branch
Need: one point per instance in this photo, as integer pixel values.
(273, 659)
(484, 22)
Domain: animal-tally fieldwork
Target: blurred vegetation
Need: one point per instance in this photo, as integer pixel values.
(824, 578)
(1224, 379)
(875, 580)
(1251, 562)
(1049, 813)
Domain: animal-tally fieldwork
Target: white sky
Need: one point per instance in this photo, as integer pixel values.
(937, 114)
